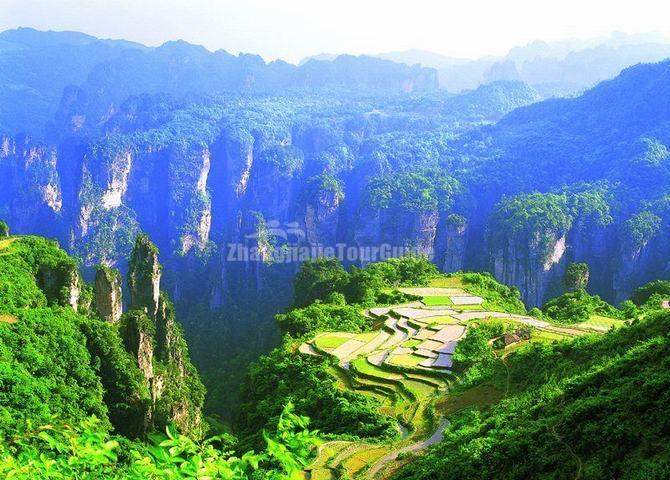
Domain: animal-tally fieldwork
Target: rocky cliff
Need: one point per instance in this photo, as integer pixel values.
(537, 271)
(153, 336)
(268, 173)
(196, 198)
(144, 277)
(108, 295)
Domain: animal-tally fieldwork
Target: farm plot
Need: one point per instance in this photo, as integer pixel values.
(420, 313)
(433, 291)
(404, 360)
(437, 301)
(406, 363)
(466, 300)
(330, 341)
(600, 323)
(441, 320)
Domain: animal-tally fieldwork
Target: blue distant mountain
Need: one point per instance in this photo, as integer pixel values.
(35, 68)
(553, 68)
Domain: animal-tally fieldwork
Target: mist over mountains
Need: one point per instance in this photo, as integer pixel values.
(35, 67)
(553, 68)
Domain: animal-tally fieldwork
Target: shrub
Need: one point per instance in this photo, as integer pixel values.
(658, 288)
(578, 306)
(85, 450)
(576, 277)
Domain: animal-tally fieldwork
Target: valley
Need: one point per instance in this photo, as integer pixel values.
(406, 365)
(400, 266)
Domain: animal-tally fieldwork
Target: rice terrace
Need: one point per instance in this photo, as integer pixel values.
(407, 363)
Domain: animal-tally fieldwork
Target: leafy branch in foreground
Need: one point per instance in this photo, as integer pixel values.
(86, 451)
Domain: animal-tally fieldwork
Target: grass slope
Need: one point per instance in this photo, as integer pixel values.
(594, 407)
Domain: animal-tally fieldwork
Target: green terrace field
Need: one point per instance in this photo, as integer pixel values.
(407, 366)
(600, 323)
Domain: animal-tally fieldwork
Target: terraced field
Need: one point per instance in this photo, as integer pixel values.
(601, 324)
(4, 245)
(406, 364)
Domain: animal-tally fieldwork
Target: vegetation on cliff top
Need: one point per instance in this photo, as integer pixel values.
(70, 388)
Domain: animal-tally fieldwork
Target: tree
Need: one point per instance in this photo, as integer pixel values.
(86, 450)
(576, 277)
(4, 229)
(658, 289)
(317, 279)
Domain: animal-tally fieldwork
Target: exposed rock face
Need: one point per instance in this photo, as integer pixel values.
(454, 246)
(139, 337)
(144, 277)
(639, 264)
(190, 211)
(397, 229)
(153, 336)
(536, 271)
(73, 288)
(108, 296)
(30, 185)
(171, 345)
(321, 218)
(196, 196)
(62, 284)
(117, 181)
(594, 245)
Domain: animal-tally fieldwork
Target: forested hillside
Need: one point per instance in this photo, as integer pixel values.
(389, 361)
(481, 277)
(394, 359)
(84, 385)
(219, 152)
(592, 408)
(69, 351)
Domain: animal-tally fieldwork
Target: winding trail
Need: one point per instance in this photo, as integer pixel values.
(578, 475)
(509, 373)
(436, 437)
(432, 339)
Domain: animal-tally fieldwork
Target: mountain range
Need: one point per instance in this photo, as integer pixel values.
(105, 144)
(557, 68)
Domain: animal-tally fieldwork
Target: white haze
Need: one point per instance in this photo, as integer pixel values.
(293, 29)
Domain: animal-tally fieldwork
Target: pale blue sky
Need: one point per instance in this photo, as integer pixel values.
(292, 29)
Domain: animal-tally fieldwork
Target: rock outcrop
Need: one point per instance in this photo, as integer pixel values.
(61, 284)
(30, 185)
(189, 202)
(144, 277)
(108, 295)
(536, 266)
(202, 184)
(152, 335)
(451, 252)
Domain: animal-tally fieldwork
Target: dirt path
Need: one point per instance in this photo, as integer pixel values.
(308, 349)
(578, 475)
(503, 360)
(436, 437)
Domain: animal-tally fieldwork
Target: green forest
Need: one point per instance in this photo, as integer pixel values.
(386, 266)
(563, 399)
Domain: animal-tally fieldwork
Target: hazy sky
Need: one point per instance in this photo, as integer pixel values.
(292, 29)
